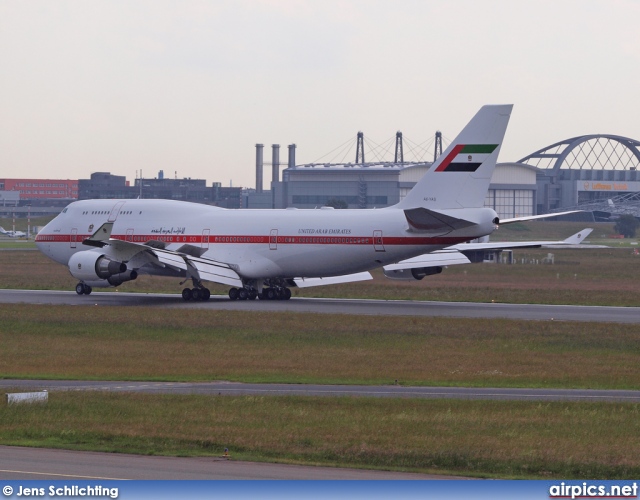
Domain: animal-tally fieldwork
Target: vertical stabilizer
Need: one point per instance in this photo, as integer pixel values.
(460, 177)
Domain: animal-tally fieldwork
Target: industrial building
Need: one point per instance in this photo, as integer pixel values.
(595, 173)
(104, 185)
(23, 197)
(379, 184)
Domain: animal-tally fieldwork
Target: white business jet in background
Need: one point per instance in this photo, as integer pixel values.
(12, 234)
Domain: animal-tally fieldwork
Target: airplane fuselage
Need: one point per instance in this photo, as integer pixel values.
(259, 243)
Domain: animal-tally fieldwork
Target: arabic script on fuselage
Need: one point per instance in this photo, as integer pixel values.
(168, 230)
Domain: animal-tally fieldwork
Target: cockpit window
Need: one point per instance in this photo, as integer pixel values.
(64, 211)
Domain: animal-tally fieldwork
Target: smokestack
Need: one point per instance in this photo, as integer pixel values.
(259, 166)
(275, 162)
(292, 155)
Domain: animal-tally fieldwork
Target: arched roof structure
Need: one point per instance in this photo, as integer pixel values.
(587, 173)
(588, 152)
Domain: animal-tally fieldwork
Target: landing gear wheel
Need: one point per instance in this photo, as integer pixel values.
(243, 294)
(252, 295)
(80, 288)
(206, 294)
(287, 294)
(186, 294)
(233, 294)
(262, 296)
(195, 294)
(87, 290)
(271, 294)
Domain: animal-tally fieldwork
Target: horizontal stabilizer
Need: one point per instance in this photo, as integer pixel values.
(331, 280)
(537, 217)
(425, 220)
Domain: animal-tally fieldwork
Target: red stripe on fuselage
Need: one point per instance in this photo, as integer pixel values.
(262, 240)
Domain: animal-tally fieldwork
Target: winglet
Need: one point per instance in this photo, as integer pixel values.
(578, 238)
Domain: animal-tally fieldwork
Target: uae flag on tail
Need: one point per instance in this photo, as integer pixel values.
(466, 157)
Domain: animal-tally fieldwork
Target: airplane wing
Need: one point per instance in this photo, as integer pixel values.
(332, 280)
(466, 253)
(438, 258)
(138, 254)
(572, 240)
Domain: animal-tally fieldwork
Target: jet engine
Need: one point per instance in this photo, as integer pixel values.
(92, 266)
(119, 279)
(417, 273)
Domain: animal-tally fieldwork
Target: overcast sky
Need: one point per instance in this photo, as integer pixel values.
(191, 86)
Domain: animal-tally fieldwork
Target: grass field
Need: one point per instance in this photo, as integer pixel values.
(145, 343)
(479, 438)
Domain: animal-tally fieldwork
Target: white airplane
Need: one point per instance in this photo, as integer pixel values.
(12, 234)
(262, 253)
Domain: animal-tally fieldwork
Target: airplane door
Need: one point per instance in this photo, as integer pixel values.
(74, 237)
(205, 238)
(130, 234)
(113, 215)
(273, 240)
(377, 241)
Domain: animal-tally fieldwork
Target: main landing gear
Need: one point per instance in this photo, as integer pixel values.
(82, 289)
(196, 294)
(242, 294)
(271, 293)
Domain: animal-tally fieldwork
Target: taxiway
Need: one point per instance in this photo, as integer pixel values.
(335, 306)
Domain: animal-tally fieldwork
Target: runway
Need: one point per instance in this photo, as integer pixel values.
(336, 306)
(219, 388)
(41, 463)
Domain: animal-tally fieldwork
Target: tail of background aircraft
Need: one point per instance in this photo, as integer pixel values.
(460, 177)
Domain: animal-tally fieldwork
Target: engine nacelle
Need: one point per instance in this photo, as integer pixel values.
(119, 279)
(416, 273)
(92, 266)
